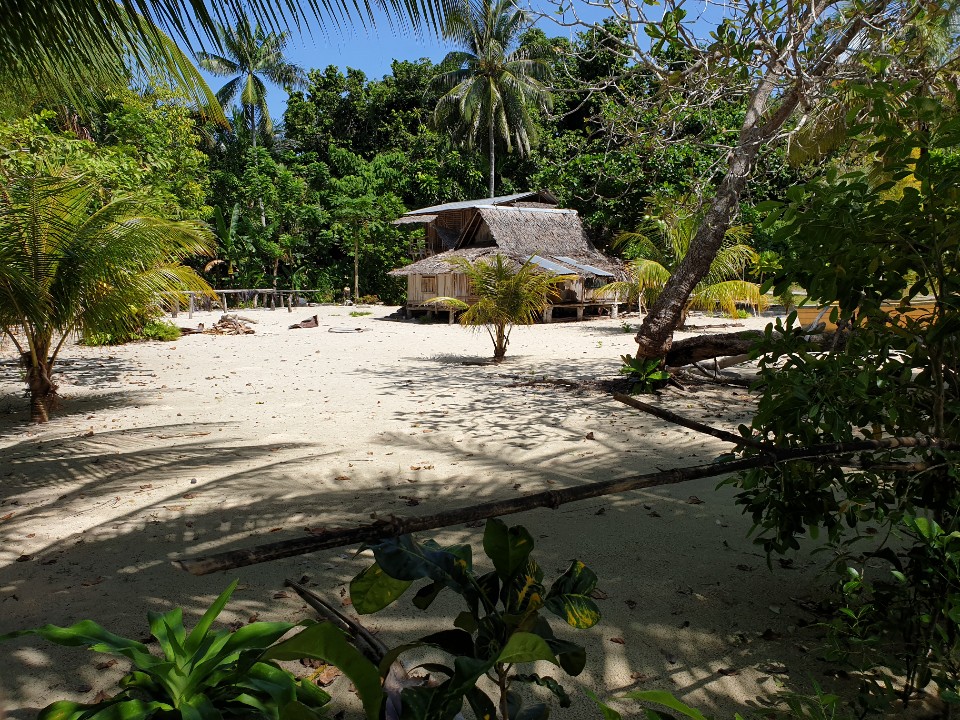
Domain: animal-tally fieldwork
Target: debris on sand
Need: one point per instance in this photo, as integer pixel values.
(230, 324)
(310, 322)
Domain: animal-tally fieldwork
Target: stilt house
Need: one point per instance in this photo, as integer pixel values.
(523, 227)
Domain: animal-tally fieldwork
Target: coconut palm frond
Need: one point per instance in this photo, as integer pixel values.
(726, 295)
(732, 260)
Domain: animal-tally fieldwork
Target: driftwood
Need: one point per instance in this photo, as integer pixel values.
(738, 344)
(395, 526)
(231, 325)
(310, 322)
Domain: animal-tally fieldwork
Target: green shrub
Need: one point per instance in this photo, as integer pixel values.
(503, 626)
(359, 313)
(214, 673)
(162, 330)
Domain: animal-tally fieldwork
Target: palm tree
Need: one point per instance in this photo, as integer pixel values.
(251, 55)
(495, 84)
(658, 246)
(69, 265)
(507, 293)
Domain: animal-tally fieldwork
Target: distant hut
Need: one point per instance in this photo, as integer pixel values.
(523, 227)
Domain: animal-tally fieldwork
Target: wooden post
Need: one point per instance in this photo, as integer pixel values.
(256, 297)
(223, 301)
(548, 314)
(453, 314)
(615, 311)
(580, 312)
(273, 301)
(176, 307)
(290, 303)
(192, 306)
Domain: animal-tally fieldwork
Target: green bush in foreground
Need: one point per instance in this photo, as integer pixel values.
(213, 674)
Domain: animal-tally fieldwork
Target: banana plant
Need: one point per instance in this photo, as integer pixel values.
(211, 674)
(501, 629)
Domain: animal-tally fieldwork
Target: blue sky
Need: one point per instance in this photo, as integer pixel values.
(371, 50)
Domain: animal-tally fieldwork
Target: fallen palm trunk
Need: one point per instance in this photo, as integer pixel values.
(394, 526)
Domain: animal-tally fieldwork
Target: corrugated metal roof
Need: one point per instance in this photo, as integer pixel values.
(410, 219)
(551, 266)
(465, 204)
(589, 268)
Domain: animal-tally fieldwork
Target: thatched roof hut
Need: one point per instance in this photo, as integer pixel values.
(551, 238)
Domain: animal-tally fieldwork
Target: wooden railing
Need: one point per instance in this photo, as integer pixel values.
(270, 298)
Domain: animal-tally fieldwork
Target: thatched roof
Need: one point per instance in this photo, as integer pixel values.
(554, 239)
(538, 196)
(439, 264)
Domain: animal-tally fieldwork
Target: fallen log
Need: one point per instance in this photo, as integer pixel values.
(706, 347)
(395, 526)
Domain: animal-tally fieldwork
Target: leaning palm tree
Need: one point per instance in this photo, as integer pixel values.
(71, 265)
(496, 85)
(658, 246)
(507, 293)
(250, 55)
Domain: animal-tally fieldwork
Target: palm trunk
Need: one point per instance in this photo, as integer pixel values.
(500, 344)
(491, 150)
(256, 168)
(43, 392)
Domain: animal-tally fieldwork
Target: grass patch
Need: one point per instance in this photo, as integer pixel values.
(360, 313)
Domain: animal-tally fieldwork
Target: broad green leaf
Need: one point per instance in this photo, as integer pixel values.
(662, 697)
(311, 694)
(298, 711)
(525, 591)
(87, 632)
(481, 704)
(508, 548)
(167, 628)
(122, 709)
(426, 595)
(213, 612)
(608, 712)
(256, 636)
(570, 656)
(579, 611)
(325, 642)
(525, 647)
(373, 590)
(404, 558)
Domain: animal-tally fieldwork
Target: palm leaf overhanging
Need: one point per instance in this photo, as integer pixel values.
(658, 245)
(495, 87)
(507, 294)
(69, 265)
(75, 47)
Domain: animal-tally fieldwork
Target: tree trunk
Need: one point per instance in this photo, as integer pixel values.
(500, 344)
(43, 392)
(356, 268)
(656, 332)
(491, 151)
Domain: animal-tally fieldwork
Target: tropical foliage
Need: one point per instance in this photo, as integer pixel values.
(657, 247)
(72, 264)
(214, 674)
(502, 626)
(497, 86)
(507, 294)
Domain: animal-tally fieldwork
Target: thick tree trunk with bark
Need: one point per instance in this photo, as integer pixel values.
(491, 151)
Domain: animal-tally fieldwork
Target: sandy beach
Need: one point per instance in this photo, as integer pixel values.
(168, 450)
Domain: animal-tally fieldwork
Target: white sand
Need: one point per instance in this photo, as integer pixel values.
(167, 450)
